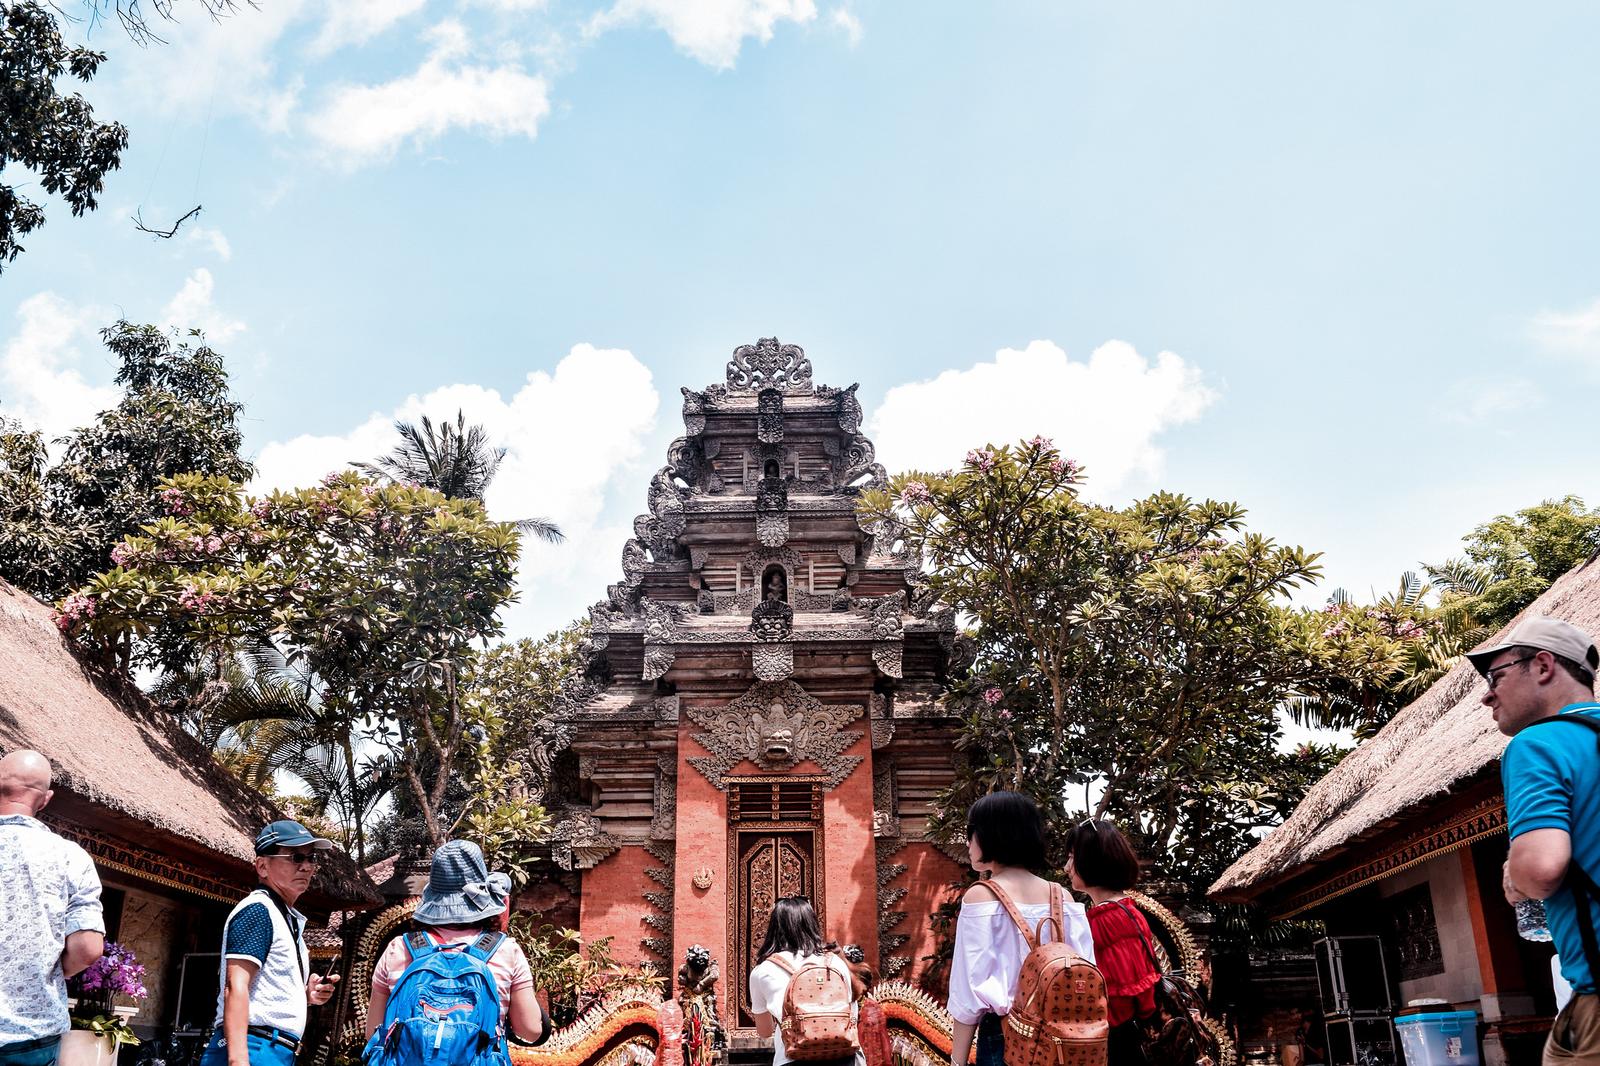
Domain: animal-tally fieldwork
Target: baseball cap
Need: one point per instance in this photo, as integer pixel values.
(288, 833)
(1544, 634)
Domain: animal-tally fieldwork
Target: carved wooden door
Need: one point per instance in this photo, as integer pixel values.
(772, 865)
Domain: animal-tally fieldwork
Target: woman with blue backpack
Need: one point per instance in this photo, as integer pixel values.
(450, 992)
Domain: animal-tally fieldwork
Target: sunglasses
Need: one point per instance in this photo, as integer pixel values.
(298, 860)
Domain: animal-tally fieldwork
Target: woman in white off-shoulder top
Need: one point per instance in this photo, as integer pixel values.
(1005, 839)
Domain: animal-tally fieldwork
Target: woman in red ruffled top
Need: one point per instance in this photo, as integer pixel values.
(1103, 867)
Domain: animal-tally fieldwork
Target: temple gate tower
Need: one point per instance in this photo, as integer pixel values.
(758, 713)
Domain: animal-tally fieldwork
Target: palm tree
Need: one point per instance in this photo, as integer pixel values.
(456, 461)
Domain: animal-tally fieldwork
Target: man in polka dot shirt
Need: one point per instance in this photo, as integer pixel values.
(266, 980)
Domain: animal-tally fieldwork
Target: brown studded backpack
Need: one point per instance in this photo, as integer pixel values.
(1058, 1016)
(818, 1021)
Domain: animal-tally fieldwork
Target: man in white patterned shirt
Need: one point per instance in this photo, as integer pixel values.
(49, 910)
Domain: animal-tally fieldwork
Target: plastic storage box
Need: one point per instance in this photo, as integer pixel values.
(1443, 1038)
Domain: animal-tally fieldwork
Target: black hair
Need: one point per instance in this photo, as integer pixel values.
(1579, 672)
(1102, 856)
(792, 927)
(1009, 830)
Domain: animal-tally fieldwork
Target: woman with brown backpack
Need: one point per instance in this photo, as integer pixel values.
(1005, 840)
(801, 993)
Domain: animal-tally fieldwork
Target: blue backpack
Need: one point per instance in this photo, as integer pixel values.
(444, 1010)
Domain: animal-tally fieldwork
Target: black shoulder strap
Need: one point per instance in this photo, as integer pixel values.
(1585, 893)
(486, 945)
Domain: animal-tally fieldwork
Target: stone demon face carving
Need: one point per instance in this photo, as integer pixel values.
(775, 734)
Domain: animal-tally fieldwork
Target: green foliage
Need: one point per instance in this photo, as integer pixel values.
(1510, 562)
(377, 595)
(572, 971)
(509, 697)
(58, 524)
(43, 129)
(1131, 661)
(110, 1026)
(456, 460)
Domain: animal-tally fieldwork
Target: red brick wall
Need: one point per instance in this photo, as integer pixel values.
(613, 903)
(928, 877)
(700, 915)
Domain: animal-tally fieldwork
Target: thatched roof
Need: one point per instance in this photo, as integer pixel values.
(1442, 740)
(124, 767)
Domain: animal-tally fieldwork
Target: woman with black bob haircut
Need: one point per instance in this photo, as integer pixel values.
(793, 935)
(1005, 841)
(1103, 867)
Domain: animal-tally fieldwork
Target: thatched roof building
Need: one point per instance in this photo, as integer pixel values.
(139, 793)
(1404, 839)
(1432, 749)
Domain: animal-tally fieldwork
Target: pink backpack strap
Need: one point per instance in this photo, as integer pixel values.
(1011, 908)
(787, 967)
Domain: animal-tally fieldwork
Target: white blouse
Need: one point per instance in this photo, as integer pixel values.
(990, 949)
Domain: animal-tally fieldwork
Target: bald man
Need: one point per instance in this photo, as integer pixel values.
(49, 912)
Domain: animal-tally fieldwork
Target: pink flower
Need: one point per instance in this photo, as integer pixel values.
(121, 554)
(992, 695)
(1004, 715)
(176, 503)
(261, 508)
(74, 609)
(1039, 444)
(915, 492)
(983, 459)
(332, 478)
(1065, 468)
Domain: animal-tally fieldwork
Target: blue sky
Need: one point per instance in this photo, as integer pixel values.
(1337, 264)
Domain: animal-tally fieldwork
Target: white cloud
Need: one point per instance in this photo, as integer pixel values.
(42, 367)
(1573, 334)
(212, 67)
(358, 21)
(845, 19)
(366, 123)
(1481, 401)
(212, 239)
(573, 438)
(711, 31)
(192, 308)
(1106, 413)
(509, 5)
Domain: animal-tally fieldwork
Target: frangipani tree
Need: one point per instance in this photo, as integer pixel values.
(379, 593)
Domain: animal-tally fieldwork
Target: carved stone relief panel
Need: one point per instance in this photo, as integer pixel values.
(767, 364)
(772, 662)
(664, 818)
(579, 840)
(776, 725)
(769, 416)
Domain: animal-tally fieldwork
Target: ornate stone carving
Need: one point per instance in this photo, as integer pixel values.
(658, 660)
(847, 553)
(579, 840)
(769, 364)
(769, 416)
(888, 918)
(845, 404)
(772, 495)
(660, 918)
(772, 530)
(888, 657)
(882, 721)
(664, 813)
(772, 620)
(885, 612)
(684, 462)
(885, 811)
(694, 412)
(772, 662)
(660, 622)
(776, 725)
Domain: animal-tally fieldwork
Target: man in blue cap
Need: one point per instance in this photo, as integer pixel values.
(266, 980)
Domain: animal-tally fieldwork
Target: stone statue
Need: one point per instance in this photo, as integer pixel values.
(775, 586)
(703, 1036)
(775, 734)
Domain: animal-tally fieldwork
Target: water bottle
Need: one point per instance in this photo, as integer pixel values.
(1531, 921)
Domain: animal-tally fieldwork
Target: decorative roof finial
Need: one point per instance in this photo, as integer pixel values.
(767, 364)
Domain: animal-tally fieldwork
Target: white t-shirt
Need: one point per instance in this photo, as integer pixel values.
(769, 982)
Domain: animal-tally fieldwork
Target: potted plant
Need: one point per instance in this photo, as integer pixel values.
(99, 1022)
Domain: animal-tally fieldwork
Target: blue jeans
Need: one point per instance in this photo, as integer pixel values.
(31, 1052)
(991, 1042)
(263, 1052)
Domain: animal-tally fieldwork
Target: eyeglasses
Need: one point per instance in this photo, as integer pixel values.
(298, 860)
(1495, 673)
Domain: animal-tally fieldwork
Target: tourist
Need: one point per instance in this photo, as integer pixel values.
(1101, 864)
(1005, 839)
(50, 911)
(1545, 668)
(464, 906)
(793, 937)
(266, 975)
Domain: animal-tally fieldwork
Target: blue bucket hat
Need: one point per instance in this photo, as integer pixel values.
(461, 890)
(287, 833)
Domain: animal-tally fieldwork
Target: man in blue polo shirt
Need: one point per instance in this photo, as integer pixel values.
(266, 979)
(1545, 668)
